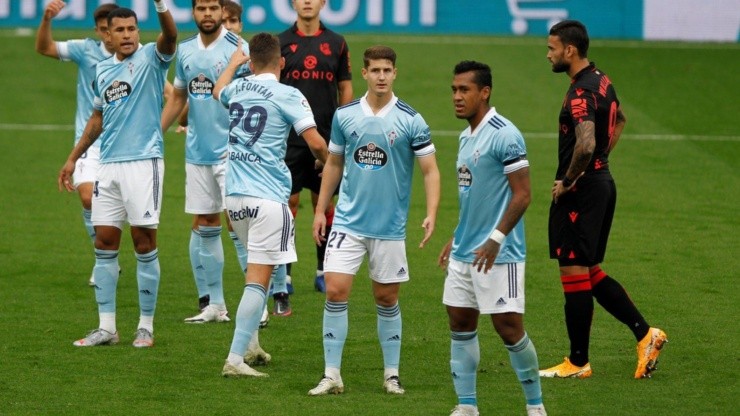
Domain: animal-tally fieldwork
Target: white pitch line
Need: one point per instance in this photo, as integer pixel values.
(443, 133)
(657, 137)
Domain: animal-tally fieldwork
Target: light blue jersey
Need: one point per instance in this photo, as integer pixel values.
(86, 53)
(485, 156)
(379, 152)
(129, 93)
(262, 111)
(197, 69)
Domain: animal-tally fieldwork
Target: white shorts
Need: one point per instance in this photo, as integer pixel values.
(86, 168)
(128, 191)
(500, 290)
(204, 188)
(266, 227)
(386, 258)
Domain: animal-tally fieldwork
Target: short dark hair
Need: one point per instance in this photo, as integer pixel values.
(482, 77)
(102, 11)
(264, 50)
(572, 32)
(378, 52)
(123, 13)
(233, 8)
(220, 3)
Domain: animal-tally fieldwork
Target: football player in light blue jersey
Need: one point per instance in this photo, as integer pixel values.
(485, 258)
(86, 53)
(200, 61)
(374, 142)
(128, 186)
(262, 111)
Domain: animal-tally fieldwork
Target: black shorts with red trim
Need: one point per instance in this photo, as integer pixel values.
(580, 222)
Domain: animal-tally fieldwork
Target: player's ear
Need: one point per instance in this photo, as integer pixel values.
(282, 62)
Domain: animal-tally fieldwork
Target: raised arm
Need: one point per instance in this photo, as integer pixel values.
(167, 40)
(430, 171)
(238, 58)
(45, 44)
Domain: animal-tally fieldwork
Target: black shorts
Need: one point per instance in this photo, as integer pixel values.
(303, 172)
(581, 220)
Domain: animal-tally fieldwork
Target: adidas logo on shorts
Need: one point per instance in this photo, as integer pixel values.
(500, 302)
(401, 272)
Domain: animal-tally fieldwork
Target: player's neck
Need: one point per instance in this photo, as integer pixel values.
(478, 117)
(208, 38)
(308, 27)
(378, 101)
(578, 66)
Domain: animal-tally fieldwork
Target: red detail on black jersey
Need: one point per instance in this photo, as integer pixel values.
(310, 62)
(557, 251)
(604, 84)
(573, 216)
(325, 49)
(564, 128)
(597, 164)
(572, 255)
(579, 91)
(578, 108)
(293, 47)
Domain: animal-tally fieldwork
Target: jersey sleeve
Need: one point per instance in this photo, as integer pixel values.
(337, 140)
(163, 60)
(225, 94)
(421, 137)
(581, 105)
(71, 50)
(298, 112)
(511, 150)
(180, 81)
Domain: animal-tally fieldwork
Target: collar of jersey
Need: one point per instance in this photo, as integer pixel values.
(265, 76)
(489, 115)
(383, 111)
(213, 44)
(115, 57)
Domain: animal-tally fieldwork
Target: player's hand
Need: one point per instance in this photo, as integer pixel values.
(485, 255)
(558, 189)
(319, 228)
(181, 129)
(444, 255)
(239, 58)
(318, 166)
(428, 226)
(64, 181)
(53, 8)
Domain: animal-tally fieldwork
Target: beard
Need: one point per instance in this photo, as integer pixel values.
(559, 67)
(216, 27)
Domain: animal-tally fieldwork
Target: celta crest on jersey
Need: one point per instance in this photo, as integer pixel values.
(464, 178)
(201, 87)
(371, 157)
(117, 93)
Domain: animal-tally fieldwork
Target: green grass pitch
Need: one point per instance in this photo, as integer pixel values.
(674, 246)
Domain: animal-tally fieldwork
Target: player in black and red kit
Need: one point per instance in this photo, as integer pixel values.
(317, 63)
(583, 201)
